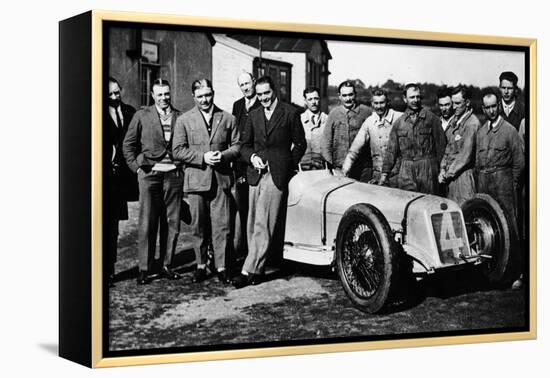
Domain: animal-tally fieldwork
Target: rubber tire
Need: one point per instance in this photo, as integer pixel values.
(381, 229)
(506, 269)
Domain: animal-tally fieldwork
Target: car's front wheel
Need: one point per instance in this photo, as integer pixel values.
(366, 259)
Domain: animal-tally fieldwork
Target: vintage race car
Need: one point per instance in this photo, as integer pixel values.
(373, 235)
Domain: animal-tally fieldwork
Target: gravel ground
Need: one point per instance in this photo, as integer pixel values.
(302, 304)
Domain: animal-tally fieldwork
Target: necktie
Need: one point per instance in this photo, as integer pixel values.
(118, 120)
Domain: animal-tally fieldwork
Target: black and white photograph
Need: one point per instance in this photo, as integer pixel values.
(267, 188)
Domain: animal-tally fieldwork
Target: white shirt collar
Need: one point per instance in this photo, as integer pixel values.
(510, 106)
(164, 112)
(492, 125)
(208, 114)
(387, 117)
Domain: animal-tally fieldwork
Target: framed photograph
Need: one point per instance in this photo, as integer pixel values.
(259, 189)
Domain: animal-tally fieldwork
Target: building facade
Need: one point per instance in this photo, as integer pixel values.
(139, 56)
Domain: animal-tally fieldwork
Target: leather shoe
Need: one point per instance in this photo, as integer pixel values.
(200, 275)
(223, 277)
(243, 280)
(111, 280)
(143, 278)
(166, 272)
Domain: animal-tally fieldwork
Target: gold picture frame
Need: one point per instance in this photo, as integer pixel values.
(74, 327)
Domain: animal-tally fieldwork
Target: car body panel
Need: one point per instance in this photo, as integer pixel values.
(433, 233)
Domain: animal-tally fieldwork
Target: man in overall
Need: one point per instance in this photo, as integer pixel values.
(458, 162)
(375, 132)
(499, 160)
(343, 124)
(313, 121)
(416, 146)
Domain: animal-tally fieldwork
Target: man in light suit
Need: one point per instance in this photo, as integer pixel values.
(273, 142)
(206, 140)
(147, 149)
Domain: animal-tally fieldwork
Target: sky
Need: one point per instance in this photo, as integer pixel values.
(374, 63)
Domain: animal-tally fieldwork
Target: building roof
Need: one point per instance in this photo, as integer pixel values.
(270, 43)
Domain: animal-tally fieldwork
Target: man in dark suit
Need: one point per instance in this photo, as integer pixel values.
(122, 182)
(148, 151)
(273, 143)
(512, 110)
(241, 108)
(206, 140)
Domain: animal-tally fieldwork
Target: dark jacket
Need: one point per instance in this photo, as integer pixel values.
(240, 112)
(515, 116)
(280, 142)
(122, 177)
(191, 141)
(241, 115)
(144, 144)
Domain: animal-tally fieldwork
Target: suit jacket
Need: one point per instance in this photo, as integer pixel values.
(122, 177)
(241, 115)
(191, 141)
(240, 112)
(280, 142)
(144, 144)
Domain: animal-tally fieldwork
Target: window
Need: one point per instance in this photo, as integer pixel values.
(148, 74)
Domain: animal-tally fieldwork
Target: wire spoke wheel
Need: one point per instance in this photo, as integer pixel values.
(362, 263)
(365, 259)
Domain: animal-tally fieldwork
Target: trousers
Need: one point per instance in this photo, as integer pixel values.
(159, 208)
(210, 218)
(419, 175)
(462, 188)
(263, 210)
(240, 217)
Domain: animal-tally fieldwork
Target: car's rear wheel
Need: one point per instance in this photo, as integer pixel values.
(366, 260)
(492, 235)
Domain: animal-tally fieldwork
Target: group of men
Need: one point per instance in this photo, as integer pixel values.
(234, 168)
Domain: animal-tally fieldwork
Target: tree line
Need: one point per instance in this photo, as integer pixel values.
(395, 94)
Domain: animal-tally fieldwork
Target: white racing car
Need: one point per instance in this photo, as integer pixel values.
(366, 232)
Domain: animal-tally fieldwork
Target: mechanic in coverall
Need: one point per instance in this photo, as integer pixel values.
(341, 128)
(458, 162)
(416, 146)
(500, 159)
